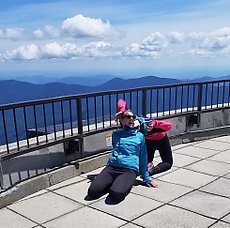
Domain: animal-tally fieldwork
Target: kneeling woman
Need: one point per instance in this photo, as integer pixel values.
(129, 158)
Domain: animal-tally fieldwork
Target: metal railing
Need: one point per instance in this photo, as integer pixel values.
(32, 125)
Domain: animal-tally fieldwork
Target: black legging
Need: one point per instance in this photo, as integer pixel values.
(164, 148)
(115, 180)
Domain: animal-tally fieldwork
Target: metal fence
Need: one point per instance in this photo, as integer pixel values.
(32, 125)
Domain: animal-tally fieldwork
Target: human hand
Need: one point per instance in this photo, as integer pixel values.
(151, 126)
(136, 123)
(152, 184)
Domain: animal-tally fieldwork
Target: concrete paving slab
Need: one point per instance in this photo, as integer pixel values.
(225, 139)
(180, 160)
(206, 204)
(187, 178)
(220, 225)
(87, 218)
(130, 225)
(165, 192)
(215, 188)
(210, 167)
(34, 195)
(44, 207)
(132, 207)
(156, 160)
(157, 154)
(179, 146)
(77, 191)
(177, 202)
(223, 157)
(226, 218)
(197, 152)
(156, 176)
(165, 173)
(214, 145)
(67, 182)
(10, 219)
(173, 217)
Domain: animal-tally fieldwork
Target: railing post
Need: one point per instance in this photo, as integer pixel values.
(144, 101)
(80, 125)
(199, 103)
(1, 175)
(199, 98)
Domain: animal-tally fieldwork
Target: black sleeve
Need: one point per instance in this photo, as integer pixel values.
(155, 130)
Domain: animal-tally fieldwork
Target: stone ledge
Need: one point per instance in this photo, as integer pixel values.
(46, 180)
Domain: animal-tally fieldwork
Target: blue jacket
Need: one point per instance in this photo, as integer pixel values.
(129, 151)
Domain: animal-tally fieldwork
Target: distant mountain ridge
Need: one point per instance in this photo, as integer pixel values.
(207, 78)
(78, 80)
(118, 83)
(89, 81)
(95, 80)
(15, 91)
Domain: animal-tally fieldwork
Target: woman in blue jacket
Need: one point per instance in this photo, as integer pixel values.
(129, 158)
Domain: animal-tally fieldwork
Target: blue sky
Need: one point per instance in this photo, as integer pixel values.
(167, 38)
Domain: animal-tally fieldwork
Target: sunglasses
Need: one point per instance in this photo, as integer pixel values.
(128, 116)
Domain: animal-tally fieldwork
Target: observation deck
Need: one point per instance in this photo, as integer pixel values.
(51, 149)
(194, 193)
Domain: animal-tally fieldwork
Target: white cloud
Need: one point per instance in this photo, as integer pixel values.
(12, 33)
(24, 52)
(71, 51)
(56, 51)
(154, 42)
(80, 26)
(96, 49)
(73, 27)
(200, 44)
(224, 32)
(215, 43)
(151, 46)
(176, 37)
(201, 53)
(47, 32)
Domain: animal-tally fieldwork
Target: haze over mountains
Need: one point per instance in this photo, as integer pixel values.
(19, 90)
(95, 80)
(79, 80)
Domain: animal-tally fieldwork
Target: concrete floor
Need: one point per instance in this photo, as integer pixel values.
(194, 193)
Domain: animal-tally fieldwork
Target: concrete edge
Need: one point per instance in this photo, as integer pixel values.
(46, 180)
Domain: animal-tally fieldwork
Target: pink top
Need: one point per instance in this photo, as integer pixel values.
(162, 124)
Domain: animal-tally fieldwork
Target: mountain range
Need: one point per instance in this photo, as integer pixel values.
(18, 90)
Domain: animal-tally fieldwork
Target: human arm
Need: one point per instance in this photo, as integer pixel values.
(159, 126)
(143, 165)
(140, 121)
